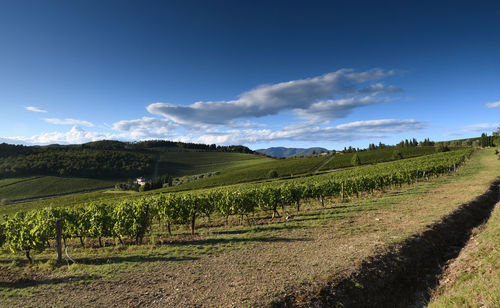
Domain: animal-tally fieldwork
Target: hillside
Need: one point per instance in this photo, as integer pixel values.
(36, 171)
(13, 189)
(188, 163)
(100, 159)
(288, 152)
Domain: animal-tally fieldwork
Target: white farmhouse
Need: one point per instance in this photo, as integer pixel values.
(141, 181)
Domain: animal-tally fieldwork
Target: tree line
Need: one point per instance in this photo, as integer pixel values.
(82, 163)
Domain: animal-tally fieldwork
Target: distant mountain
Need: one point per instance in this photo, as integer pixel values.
(287, 152)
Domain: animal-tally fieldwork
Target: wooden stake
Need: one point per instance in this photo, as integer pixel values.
(58, 240)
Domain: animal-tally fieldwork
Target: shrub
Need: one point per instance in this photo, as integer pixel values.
(442, 148)
(272, 174)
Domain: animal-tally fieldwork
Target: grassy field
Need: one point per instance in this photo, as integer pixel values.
(33, 187)
(473, 279)
(68, 200)
(11, 181)
(242, 265)
(255, 171)
(189, 163)
(377, 156)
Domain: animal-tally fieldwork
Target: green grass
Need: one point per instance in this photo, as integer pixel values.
(69, 201)
(11, 181)
(475, 277)
(34, 187)
(189, 163)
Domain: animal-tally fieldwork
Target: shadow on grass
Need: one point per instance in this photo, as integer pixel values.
(277, 226)
(120, 259)
(217, 241)
(27, 282)
(169, 167)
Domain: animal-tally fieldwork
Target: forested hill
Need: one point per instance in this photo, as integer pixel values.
(107, 158)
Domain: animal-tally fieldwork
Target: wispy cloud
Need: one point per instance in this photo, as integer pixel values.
(379, 88)
(36, 109)
(68, 122)
(334, 109)
(272, 99)
(493, 105)
(480, 127)
(146, 127)
(303, 131)
(75, 135)
(306, 131)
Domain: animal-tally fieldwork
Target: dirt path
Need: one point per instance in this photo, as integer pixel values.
(297, 254)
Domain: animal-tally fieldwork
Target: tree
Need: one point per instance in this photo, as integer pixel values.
(397, 155)
(486, 140)
(355, 160)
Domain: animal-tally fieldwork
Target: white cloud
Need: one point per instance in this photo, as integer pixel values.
(493, 105)
(35, 109)
(12, 140)
(332, 109)
(306, 131)
(68, 122)
(150, 128)
(146, 127)
(480, 127)
(75, 135)
(271, 99)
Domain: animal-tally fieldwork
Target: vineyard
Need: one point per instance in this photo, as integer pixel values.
(131, 221)
(378, 156)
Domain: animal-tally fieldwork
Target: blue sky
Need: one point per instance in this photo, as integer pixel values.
(258, 73)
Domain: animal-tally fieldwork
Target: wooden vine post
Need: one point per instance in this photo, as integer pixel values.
(58, 240)
(321, 197)
(342, 194)
(193, 217)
